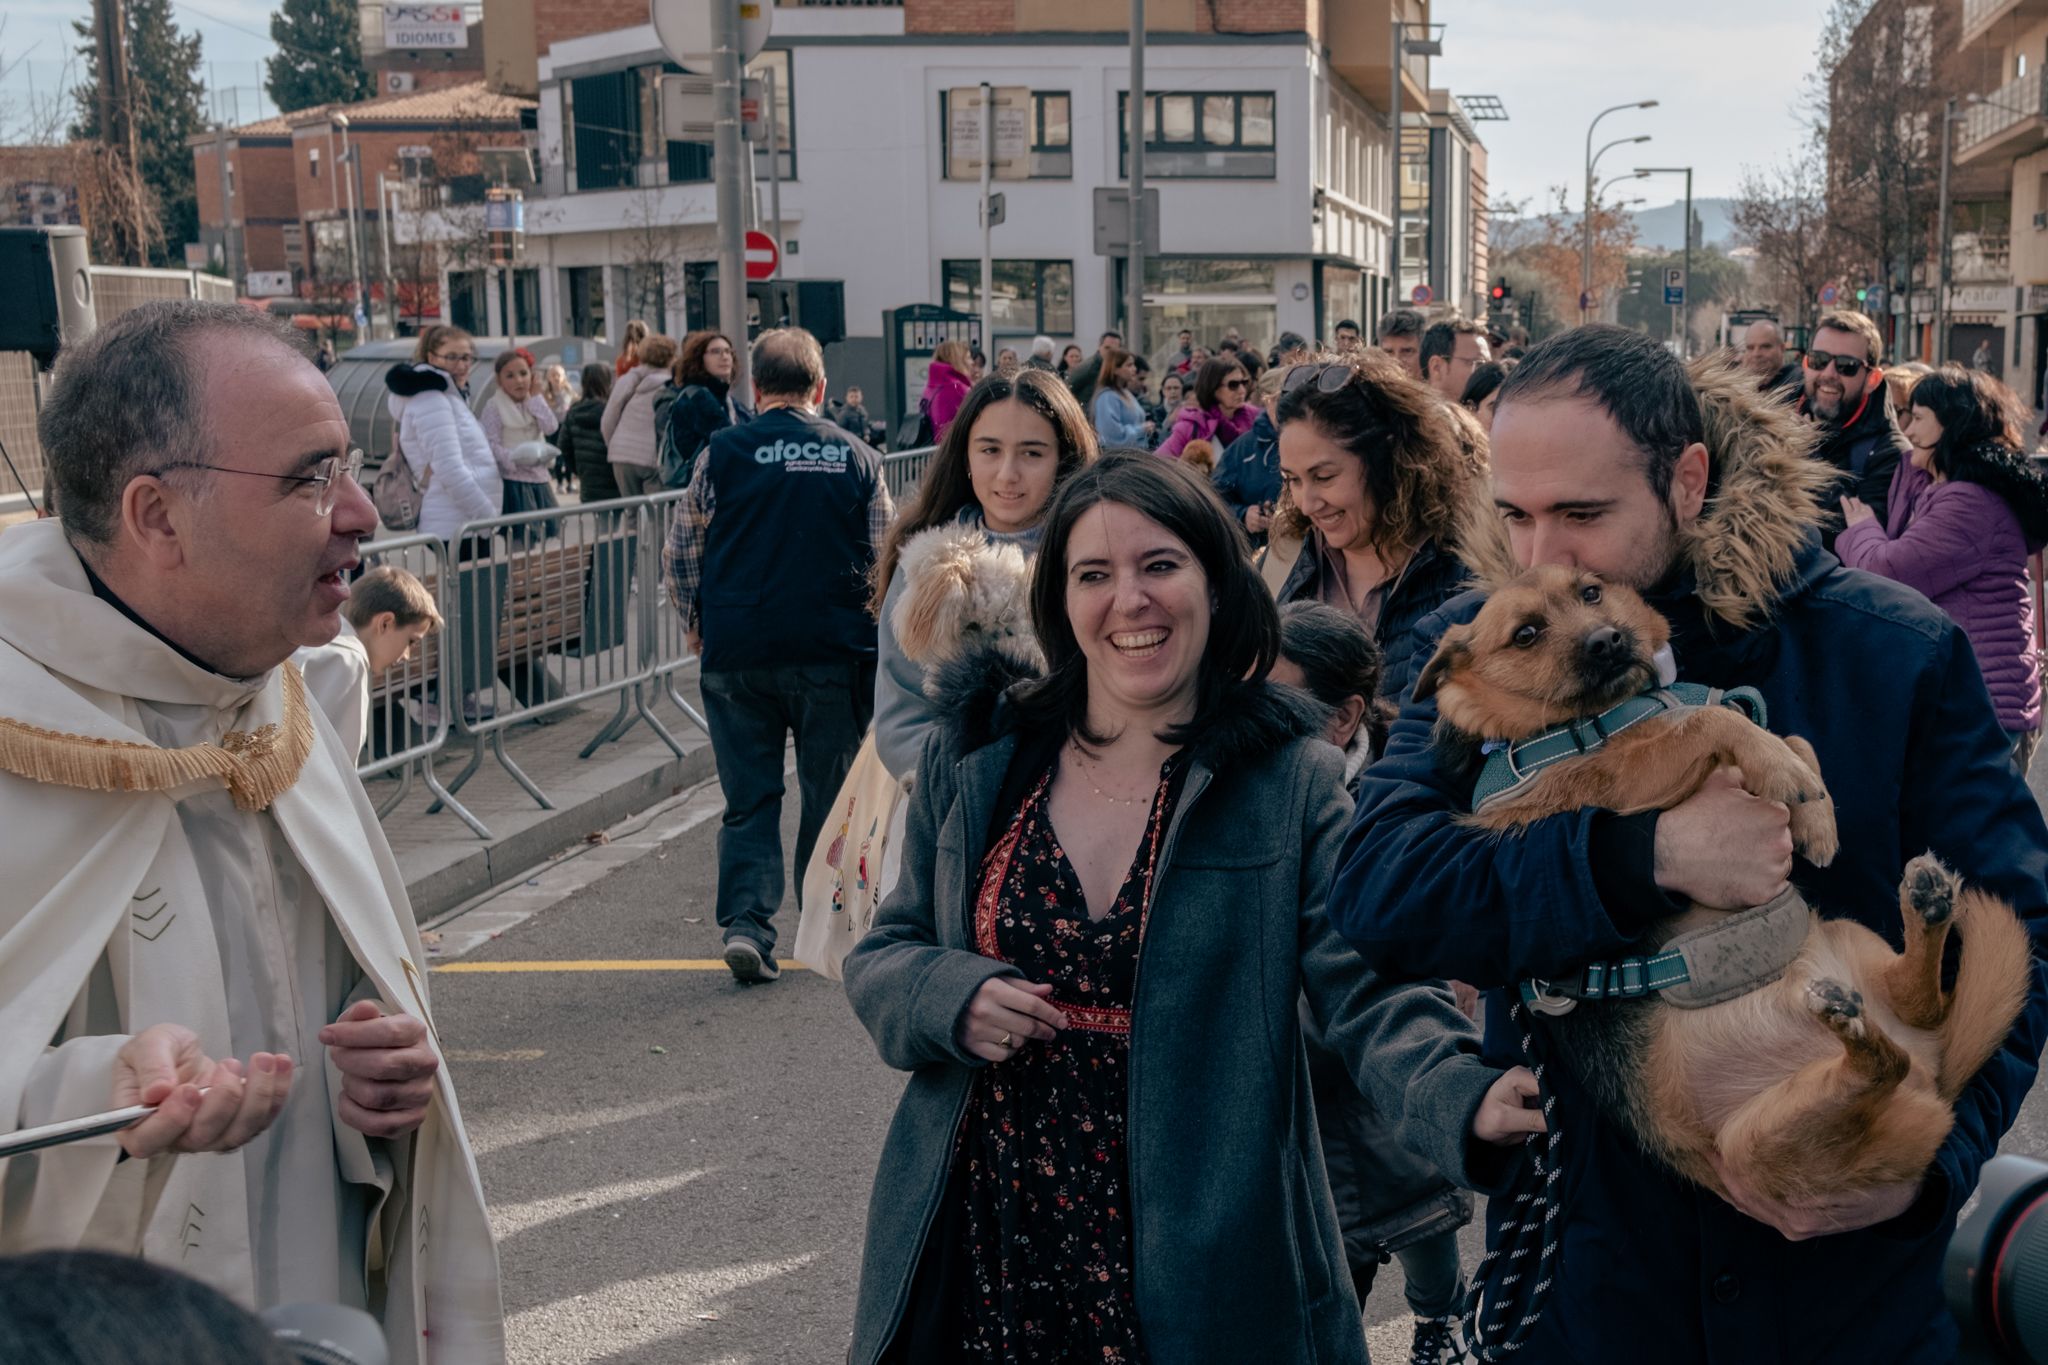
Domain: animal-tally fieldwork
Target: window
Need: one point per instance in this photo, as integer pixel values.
(1052, 140)
(1031, 297)
(1226, 136)
(313, 162)
(604, 114)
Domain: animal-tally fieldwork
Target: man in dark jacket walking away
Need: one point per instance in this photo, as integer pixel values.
(1247, 477)
(1846, 398)
(1604, 451)
(769, 564)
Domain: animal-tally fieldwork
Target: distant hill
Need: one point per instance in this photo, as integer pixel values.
(1662, 229)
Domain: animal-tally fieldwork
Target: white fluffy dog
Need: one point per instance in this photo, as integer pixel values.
(963, 592)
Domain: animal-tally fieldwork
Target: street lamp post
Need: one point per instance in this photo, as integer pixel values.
(1586, 217)
(1685, 333)
(1402, 46)
(355, 250)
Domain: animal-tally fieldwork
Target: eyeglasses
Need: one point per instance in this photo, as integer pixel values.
(1236, 384)
(1847, 366)
(454, 357)
(1328, 378)
(326, 476)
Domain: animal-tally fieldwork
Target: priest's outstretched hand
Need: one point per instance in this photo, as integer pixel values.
(387, 1069)
(164, 1065)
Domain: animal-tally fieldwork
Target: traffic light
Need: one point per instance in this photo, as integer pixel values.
(1502, 291)
(1862, 296)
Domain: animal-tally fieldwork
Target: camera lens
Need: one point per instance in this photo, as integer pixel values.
(1996, 1271)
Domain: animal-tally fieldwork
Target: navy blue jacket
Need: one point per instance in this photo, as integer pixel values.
(1887, 690)
(789, 544)
(1433, 576)
(1248, 472)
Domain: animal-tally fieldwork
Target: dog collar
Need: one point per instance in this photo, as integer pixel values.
(1726, 959)
(1508, 766)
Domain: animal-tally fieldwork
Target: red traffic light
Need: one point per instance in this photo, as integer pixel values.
(1499, 292)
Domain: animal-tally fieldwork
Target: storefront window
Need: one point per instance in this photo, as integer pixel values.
(1030, 298)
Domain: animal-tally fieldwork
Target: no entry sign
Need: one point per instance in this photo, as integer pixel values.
(762, 257)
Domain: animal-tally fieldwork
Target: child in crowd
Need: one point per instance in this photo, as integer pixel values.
(388, 612)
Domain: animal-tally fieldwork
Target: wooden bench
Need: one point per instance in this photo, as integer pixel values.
(547, 595)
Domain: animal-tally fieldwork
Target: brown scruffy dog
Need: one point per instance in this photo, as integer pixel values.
(1837, 1076)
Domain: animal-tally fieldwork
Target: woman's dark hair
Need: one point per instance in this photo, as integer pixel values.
(1416, 471)
(597, 380)
(96, 1308)
(1244, 627)
(1338, 661)
(690, 368)
(504, 359)
(1066, 365)
(947, 487)
(1485, 379)
(1209, 382)
(1981, 442)
(1171, 378)
(1117, 358)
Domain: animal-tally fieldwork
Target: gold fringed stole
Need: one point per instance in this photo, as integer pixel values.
(256, 766)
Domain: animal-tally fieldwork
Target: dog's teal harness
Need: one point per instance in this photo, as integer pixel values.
(1508, 766)
(1697, 969)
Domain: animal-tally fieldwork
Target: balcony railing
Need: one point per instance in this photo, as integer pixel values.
(1980, 256)
(1980, 17)
(2020, 102)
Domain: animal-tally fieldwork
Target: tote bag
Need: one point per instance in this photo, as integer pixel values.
(855, 864)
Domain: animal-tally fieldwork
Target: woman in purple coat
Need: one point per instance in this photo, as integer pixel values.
(1959, 523)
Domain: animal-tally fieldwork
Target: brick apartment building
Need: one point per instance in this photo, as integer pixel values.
(287, 229)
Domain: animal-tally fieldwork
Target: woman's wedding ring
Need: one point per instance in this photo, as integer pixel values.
(1006, 1042)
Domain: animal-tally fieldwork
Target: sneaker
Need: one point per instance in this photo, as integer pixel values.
(750, 966)
(477, 708)
(1436, 1342)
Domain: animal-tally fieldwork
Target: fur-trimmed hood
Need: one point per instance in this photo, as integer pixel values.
(407, 380)
(976, 709)
(1763, 510)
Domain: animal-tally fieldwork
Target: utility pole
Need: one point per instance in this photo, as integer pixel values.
(733, 163)
(1134, 260)
(120, 158)
(774, 163)
(227, 208)
(347, 171)
(1944, 244)
(988, 267)
(1394, 179)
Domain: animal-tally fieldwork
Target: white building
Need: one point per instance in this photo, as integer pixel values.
(1272, 173)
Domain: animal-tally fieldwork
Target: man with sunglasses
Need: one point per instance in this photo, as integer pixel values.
(200, 912)
(1845, 397)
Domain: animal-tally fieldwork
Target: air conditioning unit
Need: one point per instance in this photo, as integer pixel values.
(398, 82)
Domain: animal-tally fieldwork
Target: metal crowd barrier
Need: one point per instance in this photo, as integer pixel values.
(541, 613)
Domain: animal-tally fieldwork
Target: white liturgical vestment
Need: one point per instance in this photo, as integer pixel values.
(182, 847)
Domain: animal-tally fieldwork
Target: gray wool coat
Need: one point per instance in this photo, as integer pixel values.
(1237, 1252)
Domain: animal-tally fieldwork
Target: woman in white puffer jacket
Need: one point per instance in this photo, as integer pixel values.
(440, 437)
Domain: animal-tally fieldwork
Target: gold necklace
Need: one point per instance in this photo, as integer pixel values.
(1081, 766)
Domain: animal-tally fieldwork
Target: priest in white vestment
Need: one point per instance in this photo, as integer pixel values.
(194, 890)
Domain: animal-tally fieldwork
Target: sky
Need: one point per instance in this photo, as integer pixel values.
(1728, 77)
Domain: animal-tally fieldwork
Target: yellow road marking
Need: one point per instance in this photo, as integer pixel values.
(680, 964)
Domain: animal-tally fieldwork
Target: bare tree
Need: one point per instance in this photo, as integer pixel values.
(1781, 212)
(1881, 113)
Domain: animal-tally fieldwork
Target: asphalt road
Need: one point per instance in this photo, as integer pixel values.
(678, 1167)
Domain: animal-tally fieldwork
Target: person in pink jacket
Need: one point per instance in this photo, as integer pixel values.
(946, 385)
(1220, 414)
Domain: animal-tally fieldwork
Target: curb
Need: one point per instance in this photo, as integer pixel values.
(486, 866)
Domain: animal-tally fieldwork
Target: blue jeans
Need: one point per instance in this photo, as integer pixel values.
(752, 712)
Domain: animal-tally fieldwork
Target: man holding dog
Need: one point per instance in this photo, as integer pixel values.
(1698, 492)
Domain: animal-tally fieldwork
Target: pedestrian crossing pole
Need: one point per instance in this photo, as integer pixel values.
(1134, 260)
(733, 163)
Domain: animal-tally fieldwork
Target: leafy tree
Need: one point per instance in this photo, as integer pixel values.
(1716, 281)
(166, 101)
(319, 57)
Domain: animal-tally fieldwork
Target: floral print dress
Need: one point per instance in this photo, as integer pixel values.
(1041, 1161)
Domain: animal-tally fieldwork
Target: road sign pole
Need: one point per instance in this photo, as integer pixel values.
(729, 152)
(988, 266)
(1134, 259)
(774, 168)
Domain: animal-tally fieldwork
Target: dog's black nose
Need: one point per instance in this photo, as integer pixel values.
(1605, 644)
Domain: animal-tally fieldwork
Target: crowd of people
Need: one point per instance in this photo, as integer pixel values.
(1115, 688)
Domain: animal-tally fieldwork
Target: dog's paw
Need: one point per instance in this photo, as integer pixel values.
(1814, 832)
(1839, 1006)
(1931, 889)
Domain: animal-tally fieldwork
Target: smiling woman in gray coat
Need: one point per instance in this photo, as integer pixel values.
(1106, 1149)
